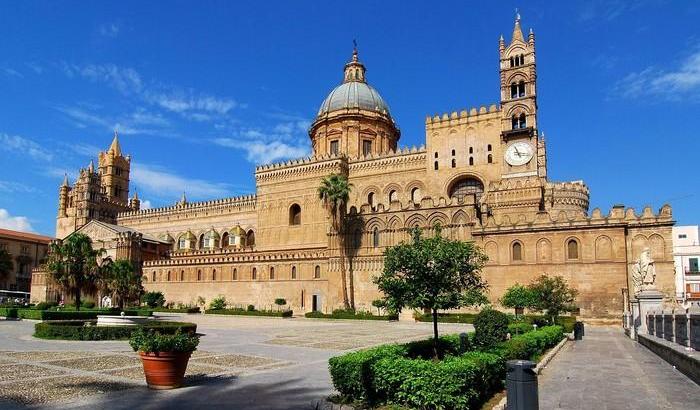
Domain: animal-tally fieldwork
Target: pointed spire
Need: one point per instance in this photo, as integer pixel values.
(517, 32)
(136, 194)
(91, 167)
(65, 180)
(354, 70)
(183, 200)
(115, 149)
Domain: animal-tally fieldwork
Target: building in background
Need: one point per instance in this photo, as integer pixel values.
(28, 251)
(686, 259)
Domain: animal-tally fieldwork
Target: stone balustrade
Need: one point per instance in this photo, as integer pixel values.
(680, 326)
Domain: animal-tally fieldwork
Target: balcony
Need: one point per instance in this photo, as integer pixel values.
(517, 132)
(692, 272)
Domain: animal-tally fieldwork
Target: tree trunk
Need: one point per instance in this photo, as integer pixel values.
(435, 334)
(343, 273)
(77, 298)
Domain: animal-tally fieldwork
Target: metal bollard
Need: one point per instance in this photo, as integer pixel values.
(521, 385)
(578, 330)
(463, 342)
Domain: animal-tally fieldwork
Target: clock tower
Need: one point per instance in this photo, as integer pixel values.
(519, 137)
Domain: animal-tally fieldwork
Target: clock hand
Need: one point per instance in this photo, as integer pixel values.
(517, 152)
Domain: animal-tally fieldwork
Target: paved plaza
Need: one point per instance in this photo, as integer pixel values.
(608, 371)
(241, 363)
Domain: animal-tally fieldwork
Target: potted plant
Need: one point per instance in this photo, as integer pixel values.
(164, 357)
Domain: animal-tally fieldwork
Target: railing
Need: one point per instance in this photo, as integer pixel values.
(681, 326)
(692, 272)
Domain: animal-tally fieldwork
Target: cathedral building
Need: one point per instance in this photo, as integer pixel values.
(482, 176)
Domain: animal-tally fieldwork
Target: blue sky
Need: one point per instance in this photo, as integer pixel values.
(202, 91)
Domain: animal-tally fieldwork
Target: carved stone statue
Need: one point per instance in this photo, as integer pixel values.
(644, 272)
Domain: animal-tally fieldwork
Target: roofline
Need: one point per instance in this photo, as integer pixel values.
(25, 236)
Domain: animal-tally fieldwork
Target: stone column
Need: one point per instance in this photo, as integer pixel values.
(644, 302)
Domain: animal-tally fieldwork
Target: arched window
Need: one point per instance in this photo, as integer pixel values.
(250, 238)
(375, 237)
(272, 272)
(453, 152)
(471, 150)
(572, 249)
(416, 195)
(521, 89)
(294, 272)
(254, 274)
(225, 240)
(153, 276)
(522, 121)
(168, 277)
(489, 159)
(513, 90)
(393, 196)
(488, 148)
(295, 215)
(201, 242)
(317, 272)
(436, 154)
(234, 274)
(370, 199)
(466, 186)
(517, 254)
(199, 274)
(182, 276)
(436, 165)
(512, 62)
(213, 274)
(454, 163)
(182, 242)
(471, 160)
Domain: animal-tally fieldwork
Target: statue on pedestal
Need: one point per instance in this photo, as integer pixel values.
(644, 272)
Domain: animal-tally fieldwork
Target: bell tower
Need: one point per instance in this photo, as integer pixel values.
(114, 171)
(518, 78)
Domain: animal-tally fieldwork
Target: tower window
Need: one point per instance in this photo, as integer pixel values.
(317, 272)
(572, 249)
(436, 155)
(471, 150)
(117, 171)
(415, 195)
(370, 199)
(453, 153)
(393, 196)
(436, 165)
(513, 90)
(519, 121)
(489, 159)
(512, 62)
(521, 89)
(272, 272)
(199, 275)
(517, 251)
(366, 147)
(375, 238)
(454, 163)
(294, 272)
(254, 274)
(234, 274)
(488, 148)
(334, 147)
(471, 160)
(295, 215)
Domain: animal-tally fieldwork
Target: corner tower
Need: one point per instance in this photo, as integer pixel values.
(114, 171)
(354, 120)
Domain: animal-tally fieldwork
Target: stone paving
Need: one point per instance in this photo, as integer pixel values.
(241, 363)
(609, 371)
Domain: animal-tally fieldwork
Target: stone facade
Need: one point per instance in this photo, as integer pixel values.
(27, 251)
(482, 175)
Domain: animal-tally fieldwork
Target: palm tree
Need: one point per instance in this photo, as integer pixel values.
(72, 264)
(334, 192)
(122, 281)
(6, 264)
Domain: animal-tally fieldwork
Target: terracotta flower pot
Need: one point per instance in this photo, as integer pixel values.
(164, 370)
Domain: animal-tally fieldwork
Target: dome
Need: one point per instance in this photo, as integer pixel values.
(354, 94)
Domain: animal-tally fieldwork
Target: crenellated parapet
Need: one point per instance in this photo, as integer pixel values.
(235, 255)
(463, 117)
(305, 167)
(245, 203)
(404, 158)
(573, 195)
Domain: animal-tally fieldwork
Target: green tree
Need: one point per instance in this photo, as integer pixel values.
(72, 264)
(379, 304)
(334, 192)
(122, 281)
(433, 273)
(517, 297)
(6, 264)
(553, 296)
(154, 299)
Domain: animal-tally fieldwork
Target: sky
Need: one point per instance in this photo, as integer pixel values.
(202, 91)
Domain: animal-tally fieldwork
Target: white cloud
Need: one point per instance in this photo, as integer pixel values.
(15, 223)
(12, 187)
(164, 184)
(146, 204)
(57, 172)
(21, 145)
(109, 30)
(670, 84)
(260, 152)
(35, 67)
(130, 124)
(125, 80)
(11, 72)
(187, 102)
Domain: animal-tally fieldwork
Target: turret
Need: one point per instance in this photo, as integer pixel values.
(135, 202)
(114, 171)
(63, 192)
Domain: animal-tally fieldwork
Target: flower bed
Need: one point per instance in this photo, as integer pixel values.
(73, 330)
(342, 314)
(406, 375)
(244, 312)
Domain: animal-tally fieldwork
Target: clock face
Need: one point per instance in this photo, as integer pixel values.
(519, 153)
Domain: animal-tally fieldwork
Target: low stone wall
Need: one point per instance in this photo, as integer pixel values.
(679, 326)
(686, 361)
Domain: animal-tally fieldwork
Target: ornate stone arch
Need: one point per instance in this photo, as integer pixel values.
(416, 220)
(544, 250)
(438, 218)
(517, 251)
(518, 109)
(491, 250)
(460, 218)
(639, 243)
(394, 223)
(371, 189)
(603, 248)
(569, 253)
(374, 223)
(517, 76)
(657, 246)
(447, 186)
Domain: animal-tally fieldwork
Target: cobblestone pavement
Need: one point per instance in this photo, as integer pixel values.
(609, 371)
(242, 363)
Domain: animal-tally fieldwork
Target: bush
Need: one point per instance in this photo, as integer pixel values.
(194, 309)
(153, 299)
(251, 308)
(274, 313)
(218, 303)
(350, 314)
(530, 345)
(88, 305)
(519, 328)
(149, 341)
(491, 327)
(45, 305)
(447, 317)
(8, 312)
(280, 301)
(34, 314)
(423, 349)
(86, 330)
(567, 322)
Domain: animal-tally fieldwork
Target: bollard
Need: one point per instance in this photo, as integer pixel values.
(578, 331)
(463, 342)
(521, 385)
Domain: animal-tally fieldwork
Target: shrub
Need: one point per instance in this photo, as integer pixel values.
(45, 305)
(88, 305)
(86, 330)
(149, 341)
(447, 345)
(153, 299)
(251, 308)
(531, 344)
(280, 301)
(275, 313)
(183, 309)
(447, 317)
(350, 314)
(491, 327)
(218, 303)
(34, 314)
(519, 328)
(8, 312)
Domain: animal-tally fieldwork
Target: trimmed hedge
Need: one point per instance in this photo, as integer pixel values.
(342, 314)
(406, 374)
(283, 313)
(178, 310)
(8, 312)
(518, 328)
(567, 322)
(76, 314)
(70, 330)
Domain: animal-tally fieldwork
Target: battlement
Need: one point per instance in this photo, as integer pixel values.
(245, 201)
(303, 167)
(464, 116)
(227, 255)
